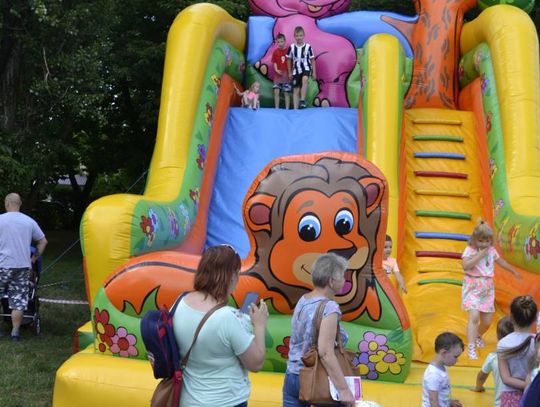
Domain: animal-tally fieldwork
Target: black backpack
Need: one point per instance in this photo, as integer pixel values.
(158, 336)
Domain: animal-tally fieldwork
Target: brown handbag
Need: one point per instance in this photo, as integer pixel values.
(168, 391)
(314, 386)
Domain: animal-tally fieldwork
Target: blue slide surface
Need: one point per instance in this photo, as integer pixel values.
(251, 140)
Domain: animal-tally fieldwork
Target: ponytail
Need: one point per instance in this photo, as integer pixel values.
(517, 350)
(534, 361)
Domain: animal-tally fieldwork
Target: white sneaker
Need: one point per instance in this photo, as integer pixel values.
(471, 352)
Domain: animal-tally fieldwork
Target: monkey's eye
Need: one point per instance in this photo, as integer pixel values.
(344, 222)
(309, 228)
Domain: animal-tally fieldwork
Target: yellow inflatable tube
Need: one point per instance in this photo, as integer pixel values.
(106, 225)
(82, 382)
(512, 39)
(385, 70)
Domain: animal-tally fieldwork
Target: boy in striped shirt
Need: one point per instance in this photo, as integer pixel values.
(301, 65)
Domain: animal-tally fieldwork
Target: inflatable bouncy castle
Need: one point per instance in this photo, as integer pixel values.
(416, 127)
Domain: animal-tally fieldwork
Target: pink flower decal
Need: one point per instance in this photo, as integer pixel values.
(124, 343)
(284, 348)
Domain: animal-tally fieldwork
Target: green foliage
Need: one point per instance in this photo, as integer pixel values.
(80, 85)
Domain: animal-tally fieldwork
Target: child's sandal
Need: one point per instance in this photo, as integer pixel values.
(480, 342)
(471, 352)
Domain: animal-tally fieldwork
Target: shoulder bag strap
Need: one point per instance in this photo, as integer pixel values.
(317, 320)
(205, 318)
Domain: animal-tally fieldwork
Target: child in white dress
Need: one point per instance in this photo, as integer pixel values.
(478, 290)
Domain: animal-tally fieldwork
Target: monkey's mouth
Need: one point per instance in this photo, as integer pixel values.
(348, 285)
(314, 9)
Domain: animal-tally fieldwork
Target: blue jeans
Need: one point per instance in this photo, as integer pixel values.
(244, 404)
(291, 391)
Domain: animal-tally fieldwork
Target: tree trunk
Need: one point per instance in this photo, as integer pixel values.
(435, 43)
(10, 62)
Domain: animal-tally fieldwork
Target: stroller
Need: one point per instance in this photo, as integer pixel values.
(30, 317)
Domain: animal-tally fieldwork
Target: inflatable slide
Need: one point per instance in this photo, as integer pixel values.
(415, 127)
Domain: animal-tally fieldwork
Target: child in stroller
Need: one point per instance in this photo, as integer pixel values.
(30, 317)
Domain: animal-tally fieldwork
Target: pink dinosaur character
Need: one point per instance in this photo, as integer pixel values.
(335, 56)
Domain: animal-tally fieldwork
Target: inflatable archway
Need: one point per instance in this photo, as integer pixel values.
(421, 135)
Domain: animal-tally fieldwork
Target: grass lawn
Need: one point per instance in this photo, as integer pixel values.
(29, 367)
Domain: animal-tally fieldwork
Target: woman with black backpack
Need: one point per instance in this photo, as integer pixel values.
(229, 343)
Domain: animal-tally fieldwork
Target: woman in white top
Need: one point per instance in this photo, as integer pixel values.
(515, 349)
(228, 345)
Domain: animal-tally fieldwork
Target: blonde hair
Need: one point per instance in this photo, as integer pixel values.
(481, 231)
(253, 84)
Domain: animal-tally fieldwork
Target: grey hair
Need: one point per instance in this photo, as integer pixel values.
(326, 266)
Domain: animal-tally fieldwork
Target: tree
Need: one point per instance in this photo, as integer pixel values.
(80, 84)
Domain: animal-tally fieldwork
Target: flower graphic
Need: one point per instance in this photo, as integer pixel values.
(372, 350)
(152, 215)
(492, 167)
(284, 348)
(147, 228)
(194, 195)
(498, 206)
(123, 343)
(478, 56)
(489, 116)
(484, 83)
(366, 368)
(228, 56)
(173, 223)
(461, 71)
(185, 214)
(217, 82)
(388, 360)
(201, 150)
(208, 114)
(372, 343)
(104, 330)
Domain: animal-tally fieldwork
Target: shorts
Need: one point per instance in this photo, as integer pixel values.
(15, 282)
(511, 398)
(285, 87)
(297, 78)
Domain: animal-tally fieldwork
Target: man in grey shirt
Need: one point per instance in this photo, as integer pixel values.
(17, 232)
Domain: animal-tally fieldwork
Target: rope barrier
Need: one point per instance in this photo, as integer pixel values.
(60, 301)
(40, 286)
